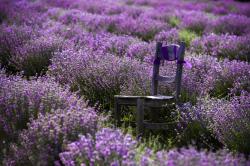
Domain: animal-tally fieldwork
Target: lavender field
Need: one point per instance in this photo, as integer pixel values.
(62, 62)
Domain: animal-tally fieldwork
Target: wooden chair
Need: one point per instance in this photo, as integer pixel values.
(171, 52)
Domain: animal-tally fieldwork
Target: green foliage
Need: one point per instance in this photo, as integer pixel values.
(241, 142)
(187, 97)
(156, 143)
(187, 36)
(37, 56)
(97, 96)
(3, 16)
(153, 139)
(196, 134)
(147, 36)
(37, 65)
(112, 28)
(221, 89)
(196, 30)
(174, 21)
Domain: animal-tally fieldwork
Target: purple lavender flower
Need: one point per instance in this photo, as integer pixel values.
(227, 120)
(193, 157)
(210, 76)
(25, 13)
(46, 137)
(104, 54)
(33, 58)
(194, 21)
(225, 46)
(243, 9)
(11, 38)
(22, 100)
(141, 51)
(232, 24)
(119, 45)
(143, 28)
(171, 36)
(90, 151)
(107, 147)
(99, 75)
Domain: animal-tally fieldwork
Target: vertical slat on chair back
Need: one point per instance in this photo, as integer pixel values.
(154, 87)
(180, 61)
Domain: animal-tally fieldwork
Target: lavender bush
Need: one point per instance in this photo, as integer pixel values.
(102, 48)
(243, 9)
(12, 37)
(119, 45)
(25, 13)
(45, 137)
(232, 24)
(3, 12)
(34, 57)
(22, 100)
(194, 21)
(100, 77)
(22, 49)
(141, 51)
(231, 73)
(223, 46)
(210, 76)
(111, 147)
(228, 120)
(107, 147)
(171, 36)
(143, 28)
(193, 157)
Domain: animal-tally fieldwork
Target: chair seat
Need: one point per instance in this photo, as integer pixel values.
(158, 101)
(128, 97)
(160, 97)
(150, 100)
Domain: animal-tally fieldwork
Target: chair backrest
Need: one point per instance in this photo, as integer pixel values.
(171, 52)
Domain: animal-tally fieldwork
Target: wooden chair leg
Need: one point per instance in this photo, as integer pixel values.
(140, 117)
(117, 113)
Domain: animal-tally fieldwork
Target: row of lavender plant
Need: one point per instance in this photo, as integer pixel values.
(14, 57)
(90, 73)
(46, 137)
(111, 147)
(98, 51)
(22, 101)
